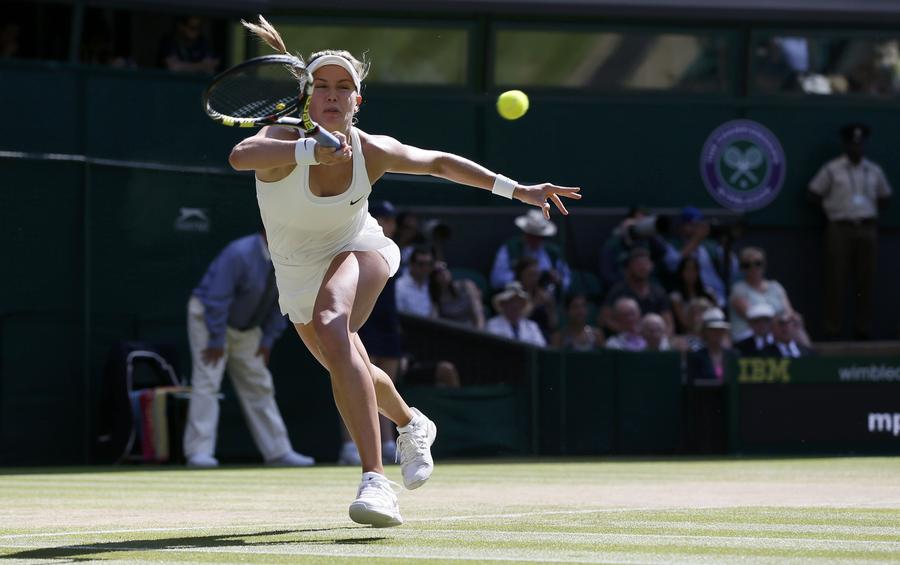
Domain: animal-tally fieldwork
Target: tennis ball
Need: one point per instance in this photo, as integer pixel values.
(512, 104)
(280, 106)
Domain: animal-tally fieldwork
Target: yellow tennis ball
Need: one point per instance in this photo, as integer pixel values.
(512, 104)
(279, 106)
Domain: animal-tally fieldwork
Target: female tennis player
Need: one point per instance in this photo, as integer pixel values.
(332, 259)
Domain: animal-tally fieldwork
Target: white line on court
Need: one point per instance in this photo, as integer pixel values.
(318, 521)
(366, 555)
(333, 522)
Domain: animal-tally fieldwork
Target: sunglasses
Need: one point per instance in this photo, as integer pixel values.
(749, 264)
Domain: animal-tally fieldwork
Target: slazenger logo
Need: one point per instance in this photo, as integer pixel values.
(884, 422)
(192, 219)
(742, 165)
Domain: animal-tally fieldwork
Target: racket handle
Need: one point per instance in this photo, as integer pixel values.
(325, 138)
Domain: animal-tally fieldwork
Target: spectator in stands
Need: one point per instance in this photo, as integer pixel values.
(784, 331)
(691, 339)
(756, 289)
(627, 317)
(381, 334)
(543, 303)
(233, 321)
(407, 237)
(533, 242)
(98, 45)
(851, 189)
(577, 334)
(637, 229)
(688, 286)
(638, 285)
(692, 241)
(708, 364)
(437, 374)
(457, 300)
(512, 321)
(413, 296)
(186, 49)
(760, 343)
(653, 330)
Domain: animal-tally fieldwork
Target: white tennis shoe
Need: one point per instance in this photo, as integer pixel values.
(376, 502)
(414, 450)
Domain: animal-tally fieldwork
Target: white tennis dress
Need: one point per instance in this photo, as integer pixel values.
(306, 231)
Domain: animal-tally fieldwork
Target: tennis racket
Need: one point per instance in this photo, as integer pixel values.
(264, 91)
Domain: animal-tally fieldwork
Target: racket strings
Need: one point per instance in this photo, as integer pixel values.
(265, 91)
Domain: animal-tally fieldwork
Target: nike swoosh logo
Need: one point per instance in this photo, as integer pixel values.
(352, 202)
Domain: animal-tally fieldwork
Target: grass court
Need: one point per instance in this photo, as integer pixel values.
(827, 510)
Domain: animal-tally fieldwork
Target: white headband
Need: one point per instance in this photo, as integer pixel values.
(335, 60)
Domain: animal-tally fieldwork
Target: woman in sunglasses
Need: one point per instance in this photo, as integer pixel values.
(755, 288)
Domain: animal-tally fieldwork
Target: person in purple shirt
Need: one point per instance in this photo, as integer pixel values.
(233, 320)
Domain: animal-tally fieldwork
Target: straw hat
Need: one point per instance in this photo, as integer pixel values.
(534, 223)
(714, 318)
(512, 290)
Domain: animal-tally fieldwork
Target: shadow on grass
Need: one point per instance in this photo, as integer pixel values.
(236, 541)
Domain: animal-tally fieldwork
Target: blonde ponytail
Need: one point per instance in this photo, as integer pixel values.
(267, 32)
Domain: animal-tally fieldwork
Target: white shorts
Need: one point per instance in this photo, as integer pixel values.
(298, 286)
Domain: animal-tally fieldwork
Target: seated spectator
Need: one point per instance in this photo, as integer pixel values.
(185, 49)
(98, 45)
(653, 330)
(555, 274)
(413, 296)
(784, 331)
(439, 374)
(756, 289)
(512, 322)
(632, 232)
(455, 300)
(708, 364)
(637, 284)
(760, 343)
(692, 241)
(543, 304)
(691, 339)
(577, 334)
(627, 316)
(407, 237)
(688, 286)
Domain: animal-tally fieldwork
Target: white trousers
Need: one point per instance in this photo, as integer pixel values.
(251, 379)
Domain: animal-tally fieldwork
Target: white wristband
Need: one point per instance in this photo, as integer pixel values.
(305, 151)
(504, 186)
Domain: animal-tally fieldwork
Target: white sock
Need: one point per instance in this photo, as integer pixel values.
(371, 476)
(416, 416)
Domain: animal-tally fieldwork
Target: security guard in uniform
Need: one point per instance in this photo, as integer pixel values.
(850, 189)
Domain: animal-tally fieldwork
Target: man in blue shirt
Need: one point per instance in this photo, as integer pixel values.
(233, 320)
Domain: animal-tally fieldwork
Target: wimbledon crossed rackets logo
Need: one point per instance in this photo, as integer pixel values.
(742, 165)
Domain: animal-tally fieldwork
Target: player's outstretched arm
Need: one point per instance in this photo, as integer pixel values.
(396, 157)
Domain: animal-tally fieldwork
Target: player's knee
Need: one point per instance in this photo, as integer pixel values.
(332, 334)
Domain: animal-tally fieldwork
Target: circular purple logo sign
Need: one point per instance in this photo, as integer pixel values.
(742, 165)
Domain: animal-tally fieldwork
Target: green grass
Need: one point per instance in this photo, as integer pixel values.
(839, 510)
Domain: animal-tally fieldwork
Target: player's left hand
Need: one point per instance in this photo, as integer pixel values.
(539, 194)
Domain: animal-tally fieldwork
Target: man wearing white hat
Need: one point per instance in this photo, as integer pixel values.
(532, 243)
(511, 321)
(762, 342)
